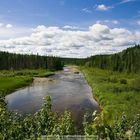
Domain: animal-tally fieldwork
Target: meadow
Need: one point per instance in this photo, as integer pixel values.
(12, 80)
(117, 93)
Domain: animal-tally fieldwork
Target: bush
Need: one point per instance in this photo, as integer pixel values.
(136, 84)
(122, 129)
(123, 81)
(76, 72)
(113, 79)
(13, 126)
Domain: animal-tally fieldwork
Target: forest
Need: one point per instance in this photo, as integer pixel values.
(125, 61)
(9, 61)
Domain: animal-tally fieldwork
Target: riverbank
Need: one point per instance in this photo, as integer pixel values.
(13, 80)
(117, 93)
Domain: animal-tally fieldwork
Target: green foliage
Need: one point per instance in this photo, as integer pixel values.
(118, 94)
(12, 80)
(123, 81)
(113, 79)
(27, 73)
(65, 125)
(11, 61)
(9, 84)
(125, 61)
(136, 84)
(54, 63)
(113, 95)
(13, 126)
(121, 129)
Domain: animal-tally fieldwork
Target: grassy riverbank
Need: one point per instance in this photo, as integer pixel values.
(12, 80)
(117, 93)
(9, 84)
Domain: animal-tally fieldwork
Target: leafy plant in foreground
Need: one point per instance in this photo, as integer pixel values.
(122, 129)
(14, 126)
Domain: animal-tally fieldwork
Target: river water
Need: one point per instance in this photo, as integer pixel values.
(68, 91)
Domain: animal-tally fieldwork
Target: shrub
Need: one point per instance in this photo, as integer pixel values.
(113, 79)
(76, 72)
(136, 84)
(122, 129)
(13, 126)
(123, 81)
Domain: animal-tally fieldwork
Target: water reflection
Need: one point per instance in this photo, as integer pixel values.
(68, 91)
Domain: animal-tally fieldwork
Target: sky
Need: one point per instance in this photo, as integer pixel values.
(69, 28)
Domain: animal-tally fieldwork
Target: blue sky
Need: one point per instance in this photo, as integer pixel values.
(21, 18)
(62, 12)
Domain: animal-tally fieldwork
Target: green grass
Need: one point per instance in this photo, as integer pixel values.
(30, 73)
(9, 84)
(117, 93)
(12, 80)
(45, 74)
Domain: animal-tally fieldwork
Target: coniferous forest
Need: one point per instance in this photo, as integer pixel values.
(9, 61)
(125, 61)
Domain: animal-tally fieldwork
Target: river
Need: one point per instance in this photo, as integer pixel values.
(67, 89)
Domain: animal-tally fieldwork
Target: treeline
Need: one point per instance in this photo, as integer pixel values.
(74, 61)
(9, 61)
(126, 61)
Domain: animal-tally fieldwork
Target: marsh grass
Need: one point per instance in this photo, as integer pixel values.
(117, 93)
(12, 80)
(30, 73)
(10, 84)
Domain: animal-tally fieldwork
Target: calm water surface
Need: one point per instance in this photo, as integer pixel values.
(68, 91)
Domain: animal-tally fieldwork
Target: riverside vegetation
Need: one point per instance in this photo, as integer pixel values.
(114, 79)
(118, 95)
(11, 80)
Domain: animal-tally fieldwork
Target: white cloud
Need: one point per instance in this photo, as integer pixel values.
(126, 1)
(112, 21)
(138, 22)
(97, 39)
(1, 24)
(9, 26)
(71, 27)
(6, 25)
(115, 21)
(108, 21)
(13, 32)
(86, 10)
(102, 7)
